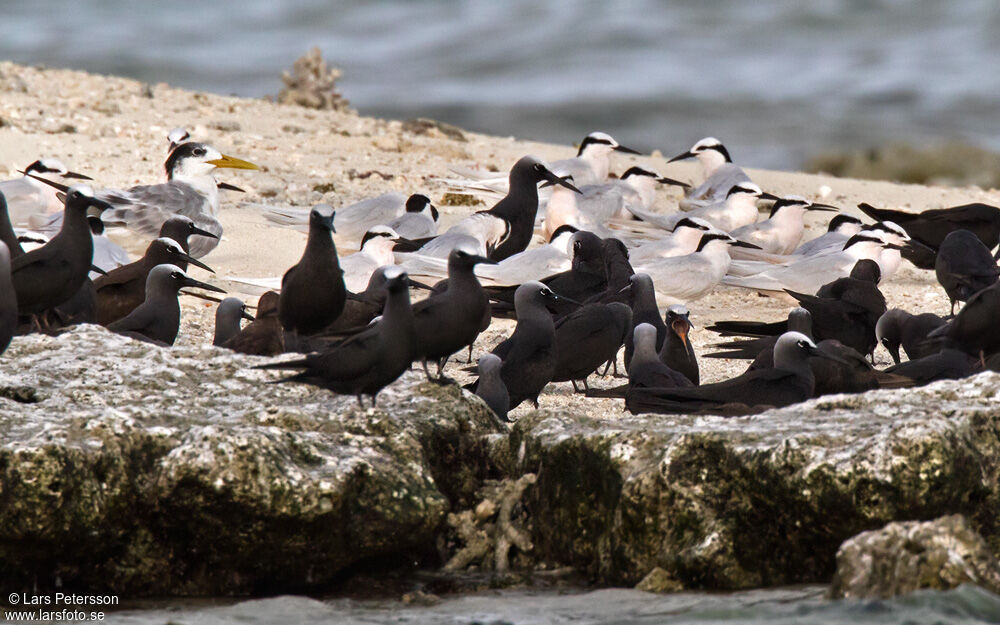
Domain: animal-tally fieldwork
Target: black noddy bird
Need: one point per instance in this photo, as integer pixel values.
(158, 319)
(491, 388)
(520, 206)
(587, 338)
(898, 328)
(450, 321)
(642, 297)
(790, 381)
(760, 349)
(677, 351)
(180, 229)
(228, 315)
(8, 300)
(367, 362)
(930, 227)
(529, 355)
(263, 336)
(964, 266)
(53, 273)
(313, 291)
(123, 289)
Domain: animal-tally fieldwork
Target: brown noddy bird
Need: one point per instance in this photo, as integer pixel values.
(367, 362)
(180, 229)
(313, 291)
(899, 328)
(964, 266)
(49, 275)
(227, 320)
(159, 317)
(263, 336)
(123, 289)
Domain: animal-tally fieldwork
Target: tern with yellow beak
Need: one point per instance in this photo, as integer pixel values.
(190, 191)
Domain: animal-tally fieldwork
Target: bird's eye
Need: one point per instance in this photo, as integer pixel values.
(803, 344)
(176, 275)
(199, 152)
(538, 167)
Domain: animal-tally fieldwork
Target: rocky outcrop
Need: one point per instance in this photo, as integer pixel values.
(903, 557)
(141, 470)
(729, 503)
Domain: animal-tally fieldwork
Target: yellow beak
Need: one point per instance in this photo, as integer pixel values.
(233, 163)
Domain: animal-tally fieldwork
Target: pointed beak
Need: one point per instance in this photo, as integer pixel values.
(73, 174)
(745, 244)
(204, 233)
(822, 207)
(682, 156)
(673, 183)
(225, 186)
(917, 244)
(97, 269)
(201, 285)
(681, 327)
(892, 246)
(51, 183)
(622, 148)
(194, 261)
(246, 315)
(768, 196)
(625, 289)
(482, 260)
(100, 205)
(555, 297)
(231, 162)
(329, 222)
(563, 181)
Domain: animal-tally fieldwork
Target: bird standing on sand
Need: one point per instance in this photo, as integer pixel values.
(964, 266)
(720, 174)
(587, 338)
(313, 291)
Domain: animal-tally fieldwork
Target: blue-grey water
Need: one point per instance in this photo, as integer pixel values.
(776, 80)
(804, 606)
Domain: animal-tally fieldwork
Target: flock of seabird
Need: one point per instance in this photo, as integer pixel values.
(612, 262)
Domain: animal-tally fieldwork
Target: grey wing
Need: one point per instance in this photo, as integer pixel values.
(140, 320)
(24, 201)
(370, 212)
(143, 209)
(414, 226)
(581, 171)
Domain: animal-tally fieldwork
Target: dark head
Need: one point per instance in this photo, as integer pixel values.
(565, 229)
(718, 235)
(867, 270)
(799, 320)
(800, 203)
(418, 203)
(168, 251)
(534, 296)
(267, 305)
(396, 280)
(321, 218)
(180, 228)
(889, 331)
(171, 278)
(535, 170)
(380, 233)
(705, 146)
(694, 223)
(466, 256)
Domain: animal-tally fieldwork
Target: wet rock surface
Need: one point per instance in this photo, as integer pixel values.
(758, 501)
(904, 557)
(148, 471)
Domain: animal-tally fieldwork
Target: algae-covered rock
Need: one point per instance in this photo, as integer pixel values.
(142, 470)
(728, 503)
(903, 557)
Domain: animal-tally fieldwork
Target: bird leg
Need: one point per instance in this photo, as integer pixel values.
(441, 363)
(982, 359)
(586, 387)
(361, 401)
(575, 389)
(607, 368)
(426, 370)
(470, 353)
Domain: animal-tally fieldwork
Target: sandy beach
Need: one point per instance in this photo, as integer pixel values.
(114, 130)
